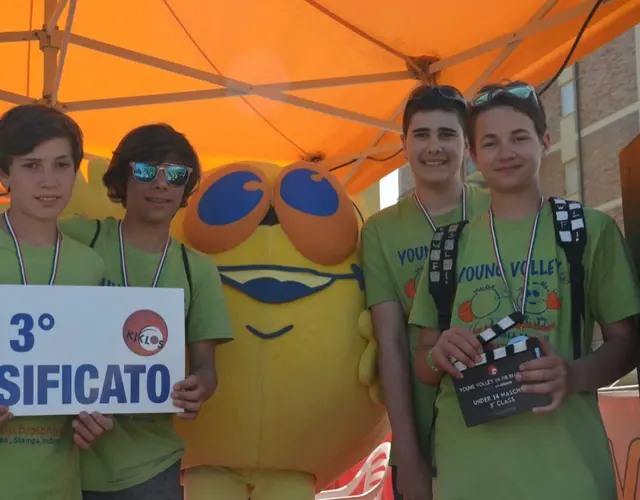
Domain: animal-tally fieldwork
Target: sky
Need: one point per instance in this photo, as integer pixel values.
(389, 189)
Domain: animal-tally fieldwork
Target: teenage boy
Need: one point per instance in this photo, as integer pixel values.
(153, 173)
(395, 245)
(40, 153)
(508, 261)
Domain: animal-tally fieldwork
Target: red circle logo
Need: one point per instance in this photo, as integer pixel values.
(145, 332)
(493, 371)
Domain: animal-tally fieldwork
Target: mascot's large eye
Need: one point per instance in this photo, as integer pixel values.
(316, 213)
(309, 192)
(227, 208)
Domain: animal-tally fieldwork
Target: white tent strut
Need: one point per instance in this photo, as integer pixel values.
(220, 93)
(54, 42)
(237, 87)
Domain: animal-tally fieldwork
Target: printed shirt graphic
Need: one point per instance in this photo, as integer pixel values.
(38, 458)
(395, 247)
(530, 456)
(141, 446)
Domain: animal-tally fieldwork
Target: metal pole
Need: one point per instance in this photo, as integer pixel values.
(50, 52)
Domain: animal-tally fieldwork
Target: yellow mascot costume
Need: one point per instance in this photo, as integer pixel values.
(297, 402)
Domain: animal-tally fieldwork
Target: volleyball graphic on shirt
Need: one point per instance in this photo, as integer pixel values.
(145, 332)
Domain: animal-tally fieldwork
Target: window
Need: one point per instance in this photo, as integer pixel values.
(567, 98)
(571, 178)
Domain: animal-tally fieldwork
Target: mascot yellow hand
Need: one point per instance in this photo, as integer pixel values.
(293, 409)
(368, 368)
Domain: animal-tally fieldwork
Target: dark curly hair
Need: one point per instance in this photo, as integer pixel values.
(155, 142)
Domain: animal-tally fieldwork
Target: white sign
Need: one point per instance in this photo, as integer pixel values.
(66, 349)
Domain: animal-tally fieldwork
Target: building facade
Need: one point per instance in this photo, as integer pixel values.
(600, 97)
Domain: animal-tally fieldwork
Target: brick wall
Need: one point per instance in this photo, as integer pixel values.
(608, 80)
(607, 83)
(601, 171)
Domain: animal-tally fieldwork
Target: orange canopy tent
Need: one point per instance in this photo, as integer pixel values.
(281, 80)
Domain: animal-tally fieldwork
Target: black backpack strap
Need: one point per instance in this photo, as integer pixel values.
(571, 235)
(187, 271)
(96, 234)
(443, 282)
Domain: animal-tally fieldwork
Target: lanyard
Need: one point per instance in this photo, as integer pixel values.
(123, 259)
(527, 268)
(426, 213)
(23, 270)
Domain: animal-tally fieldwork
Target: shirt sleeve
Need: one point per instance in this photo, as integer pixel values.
(613, 292)
(79, 228)
(208, 314)
(378, 281)
(424, 312)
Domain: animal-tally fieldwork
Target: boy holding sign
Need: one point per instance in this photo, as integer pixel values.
(152, 173)
(511, 267)
(40, 153)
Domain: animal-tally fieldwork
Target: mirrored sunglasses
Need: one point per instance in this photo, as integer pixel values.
(520, 91)
(176, 175)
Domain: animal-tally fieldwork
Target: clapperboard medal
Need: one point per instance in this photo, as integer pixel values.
(489, 390)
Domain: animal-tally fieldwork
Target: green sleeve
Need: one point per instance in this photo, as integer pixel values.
(424, 312)
(79, 228)
(613, 292)
(208, 315)
(378, 282)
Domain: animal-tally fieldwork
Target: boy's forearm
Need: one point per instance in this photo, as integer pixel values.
(395, 377)
(612, 361)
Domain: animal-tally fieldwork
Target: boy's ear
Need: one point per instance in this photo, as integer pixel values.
(403, 138)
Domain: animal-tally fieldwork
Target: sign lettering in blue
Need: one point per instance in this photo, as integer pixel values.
(66, 349)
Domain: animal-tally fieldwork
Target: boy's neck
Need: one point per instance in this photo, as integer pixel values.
(440, 198)
(517, 204)
(144, 236)
(36, 232)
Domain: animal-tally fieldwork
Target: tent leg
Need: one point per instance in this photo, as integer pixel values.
(50, 51)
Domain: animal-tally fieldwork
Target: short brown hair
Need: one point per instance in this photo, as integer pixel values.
(23, 128)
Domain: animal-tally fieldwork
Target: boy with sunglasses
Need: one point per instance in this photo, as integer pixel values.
(509, 261)
(40, 153)
(395, 246)
(152, 173)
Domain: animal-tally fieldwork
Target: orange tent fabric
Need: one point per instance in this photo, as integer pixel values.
(284, 79)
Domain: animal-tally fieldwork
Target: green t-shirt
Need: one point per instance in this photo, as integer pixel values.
(530, 456)
(38, 458)
(141, 446)
(395, 246)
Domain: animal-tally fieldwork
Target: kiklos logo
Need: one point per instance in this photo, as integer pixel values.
(145, 332)
(493, 371)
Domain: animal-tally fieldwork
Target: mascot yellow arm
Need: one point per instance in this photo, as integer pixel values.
(368, 368)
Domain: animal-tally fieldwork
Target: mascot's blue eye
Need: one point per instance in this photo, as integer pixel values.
(227, 200)
(306, 191)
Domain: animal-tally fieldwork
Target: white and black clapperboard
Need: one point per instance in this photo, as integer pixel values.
(489, 390)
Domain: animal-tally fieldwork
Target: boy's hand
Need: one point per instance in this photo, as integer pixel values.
(89, 427)
(5, 416)
(189, 395)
